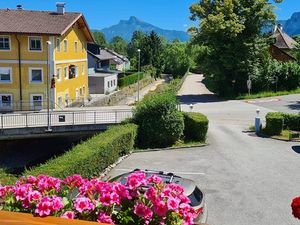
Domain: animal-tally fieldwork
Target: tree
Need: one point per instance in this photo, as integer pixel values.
(177, 59)
(137, 42)
(119, 45)
(231, 32)
(99, 38)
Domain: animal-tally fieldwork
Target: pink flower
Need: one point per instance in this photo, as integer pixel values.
(68, 215)
(46, 183)
(154, 179)
(21, 191)
(161, 208)
(121, 191)
(151, 194)
(44, 207)
(34, 196)
(57, 203)
(173, 203)
(73, 181)
(136, 180)
(104, 218)
(143, 211)
(82, 204)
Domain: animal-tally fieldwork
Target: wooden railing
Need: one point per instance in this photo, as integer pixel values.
(10, 218)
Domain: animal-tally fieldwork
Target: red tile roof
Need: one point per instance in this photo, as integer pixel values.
(36, 22)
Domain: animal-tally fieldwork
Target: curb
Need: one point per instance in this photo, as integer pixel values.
(169, 148)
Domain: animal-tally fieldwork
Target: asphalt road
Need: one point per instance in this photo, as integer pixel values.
(288, 103)
(247, 180)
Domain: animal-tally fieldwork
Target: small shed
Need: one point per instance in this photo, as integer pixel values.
(102, 82)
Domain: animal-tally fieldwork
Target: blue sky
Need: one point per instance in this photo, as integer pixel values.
(169, 14)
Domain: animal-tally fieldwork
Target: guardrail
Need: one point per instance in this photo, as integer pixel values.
(24, 120)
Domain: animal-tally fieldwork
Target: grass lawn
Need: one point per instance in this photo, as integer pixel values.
(268, 94)
(187, 144)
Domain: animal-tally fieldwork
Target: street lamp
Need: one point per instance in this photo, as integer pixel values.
(48, 89)
(139, 70)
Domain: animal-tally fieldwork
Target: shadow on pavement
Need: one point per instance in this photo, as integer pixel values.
(295, 106)
(296, 149)
(205, 98)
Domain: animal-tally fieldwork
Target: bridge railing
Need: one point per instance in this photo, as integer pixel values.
(23, 120)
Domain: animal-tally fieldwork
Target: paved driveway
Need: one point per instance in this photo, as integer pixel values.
(247, 180)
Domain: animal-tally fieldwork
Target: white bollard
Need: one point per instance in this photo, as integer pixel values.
(257, 122)
(191, 107)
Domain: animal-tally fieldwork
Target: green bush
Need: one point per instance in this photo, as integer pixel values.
(6, 178)
(130, 79)
(91, 157)
(291, 121)
(159, 122)
(195, 126)
(274, 123)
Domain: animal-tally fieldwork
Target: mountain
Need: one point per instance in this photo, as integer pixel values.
(125, 29)
(292, 25)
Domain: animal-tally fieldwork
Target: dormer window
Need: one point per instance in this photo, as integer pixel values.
(35, 44)
(4, 43)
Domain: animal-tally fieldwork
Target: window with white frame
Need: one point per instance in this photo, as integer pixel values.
(36, 101)
(83, 90)
(80, 91)
(5, 101)
(58, 44)
(66, 73)
(76, 71)
(75, 46)
(76, 94)
(58, 74)
(36, 75)
(4, 43)
(5, 75)
(67, 99)
(65, 45)
(35, 43)
(60, 101)
(108, 84)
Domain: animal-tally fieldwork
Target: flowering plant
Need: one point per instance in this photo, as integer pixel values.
(296, 207)
(95, 200)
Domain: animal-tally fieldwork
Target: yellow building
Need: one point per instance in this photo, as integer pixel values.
(37, 47)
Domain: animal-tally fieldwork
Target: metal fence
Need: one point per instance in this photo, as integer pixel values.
(23, 120)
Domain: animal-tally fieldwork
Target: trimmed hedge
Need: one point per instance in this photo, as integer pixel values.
(160, 123)
(130, 79)
(195, 126)
(92, 156)
(274, 123)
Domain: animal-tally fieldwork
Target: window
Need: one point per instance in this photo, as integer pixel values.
(67, 99)
(58, 74)
(36, 75)
(76, 71)
(5, 101)
(83, 90)
(5, 75)
(108, 84)
(58, 44)
(4, 43)
(35, 44)
(82, 69)
(65, 45)
(80, 91)
(76, 94)
(60, 101)
(111, 83)
(66, 73)
(36, 101)
(75, 46)
(114, 82)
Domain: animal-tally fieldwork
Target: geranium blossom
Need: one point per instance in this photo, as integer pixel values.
(149, 199)
(296, 207)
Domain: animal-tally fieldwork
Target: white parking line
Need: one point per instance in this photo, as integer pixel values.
(182, 173)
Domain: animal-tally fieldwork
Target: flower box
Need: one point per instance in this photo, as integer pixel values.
(11, 218)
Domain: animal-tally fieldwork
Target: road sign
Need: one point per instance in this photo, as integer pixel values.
(249, 84)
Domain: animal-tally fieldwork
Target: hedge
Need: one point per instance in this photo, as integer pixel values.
(92, 156)
(159, 122)
(130, 79)
(274, 123)
(195, 126)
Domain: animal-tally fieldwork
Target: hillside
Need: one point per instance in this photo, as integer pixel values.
(125, 29)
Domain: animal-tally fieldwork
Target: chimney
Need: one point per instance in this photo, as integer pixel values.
(19, 7)
(60, 6)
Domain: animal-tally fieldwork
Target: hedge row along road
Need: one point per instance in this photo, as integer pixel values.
(247, 180)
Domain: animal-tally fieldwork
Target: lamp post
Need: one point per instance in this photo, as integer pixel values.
(139, 70)
(48, 90)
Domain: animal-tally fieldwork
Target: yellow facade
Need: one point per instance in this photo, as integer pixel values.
(67, 88)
